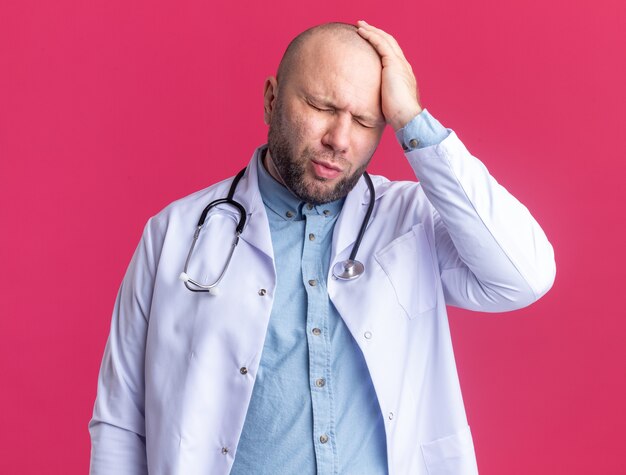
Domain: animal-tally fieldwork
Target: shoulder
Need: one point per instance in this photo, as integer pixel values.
(192, 204)
(399, 193)
(181, 216)
(401, 203)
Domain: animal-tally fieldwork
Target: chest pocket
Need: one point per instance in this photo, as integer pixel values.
(452, 455)
(407, 261)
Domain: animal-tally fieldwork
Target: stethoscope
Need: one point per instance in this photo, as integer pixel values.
(349, 269)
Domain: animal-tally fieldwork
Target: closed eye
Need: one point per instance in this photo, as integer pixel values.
(361, 121)
(321, 109)
(362, 124)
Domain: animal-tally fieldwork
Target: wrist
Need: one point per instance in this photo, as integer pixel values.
(404, 117)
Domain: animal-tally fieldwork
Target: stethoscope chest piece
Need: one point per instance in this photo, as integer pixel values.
(348, 270)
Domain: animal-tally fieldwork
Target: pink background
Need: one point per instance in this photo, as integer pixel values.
(111, 109)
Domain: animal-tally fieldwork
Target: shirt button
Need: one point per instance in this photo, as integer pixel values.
(320, 383)
(312, 282)
(323, 438)
(414, 143)
(243, 370)
(316, 331)
(326, 212)
(262, 292)
(311, 237)
(289, 214)
(309, 206)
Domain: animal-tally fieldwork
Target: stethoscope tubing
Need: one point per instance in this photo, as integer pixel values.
(346, 270)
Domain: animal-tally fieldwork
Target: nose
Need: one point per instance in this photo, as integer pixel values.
(337, 135)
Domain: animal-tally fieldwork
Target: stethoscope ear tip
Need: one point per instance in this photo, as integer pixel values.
(184, 277)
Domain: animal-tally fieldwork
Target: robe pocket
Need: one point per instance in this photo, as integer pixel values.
(451, 455)
(407, 262)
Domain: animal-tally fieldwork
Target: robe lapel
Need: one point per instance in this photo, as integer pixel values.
(257, 229)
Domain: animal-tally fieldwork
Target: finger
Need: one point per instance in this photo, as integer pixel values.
(380, 44)
(373, 33)
(393, 49)
(389, 38)
(389, 56)
(381, 32)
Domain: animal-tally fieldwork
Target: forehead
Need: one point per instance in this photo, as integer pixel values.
(339, 68)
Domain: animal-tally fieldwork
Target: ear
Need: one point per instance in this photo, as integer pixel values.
(269, 96)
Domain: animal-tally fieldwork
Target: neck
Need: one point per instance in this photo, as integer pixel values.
(268, 163)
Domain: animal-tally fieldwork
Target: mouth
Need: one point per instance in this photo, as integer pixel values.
(325, 169)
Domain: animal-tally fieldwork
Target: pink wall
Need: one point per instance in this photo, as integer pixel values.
(111, 109)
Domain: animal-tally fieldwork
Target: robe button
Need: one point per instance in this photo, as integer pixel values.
(262, 292)
(368, 335)
(225, 450)
(243, 370)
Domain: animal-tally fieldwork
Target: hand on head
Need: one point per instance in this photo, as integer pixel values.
(399, 93)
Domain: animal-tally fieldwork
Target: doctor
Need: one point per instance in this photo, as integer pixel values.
(288, 368)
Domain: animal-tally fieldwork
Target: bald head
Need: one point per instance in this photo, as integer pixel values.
(327, 35)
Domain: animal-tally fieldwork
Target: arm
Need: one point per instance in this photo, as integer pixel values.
(492, 254)
(117, 428)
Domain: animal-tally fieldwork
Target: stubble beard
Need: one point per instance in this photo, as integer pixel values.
(292, 170)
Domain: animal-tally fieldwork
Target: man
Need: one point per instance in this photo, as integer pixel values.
(290, 368)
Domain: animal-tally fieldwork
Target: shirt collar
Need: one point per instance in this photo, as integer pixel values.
(279, 200)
